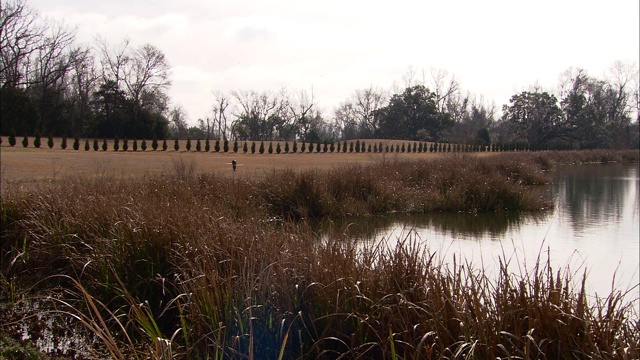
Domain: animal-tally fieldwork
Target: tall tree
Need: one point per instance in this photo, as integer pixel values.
(537, 117)
(20, 35)
(142, 75)
(178, 122)
(598, 111)
(261, 115)
(357, 116)
(410, 112)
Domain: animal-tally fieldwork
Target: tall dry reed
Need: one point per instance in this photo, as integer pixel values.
(206, 267)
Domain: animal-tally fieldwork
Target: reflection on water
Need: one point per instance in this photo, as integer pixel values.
(594, 226)
(457, 225)
(589, 197)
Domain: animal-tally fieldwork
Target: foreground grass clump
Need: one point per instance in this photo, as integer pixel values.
(194, 266)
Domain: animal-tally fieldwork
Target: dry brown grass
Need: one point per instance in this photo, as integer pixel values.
(195, 267)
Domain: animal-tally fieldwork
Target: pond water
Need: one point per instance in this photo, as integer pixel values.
(594, 226)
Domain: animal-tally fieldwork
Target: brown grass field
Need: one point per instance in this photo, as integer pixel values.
(31, 165)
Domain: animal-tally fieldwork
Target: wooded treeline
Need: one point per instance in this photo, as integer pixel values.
(50, 85)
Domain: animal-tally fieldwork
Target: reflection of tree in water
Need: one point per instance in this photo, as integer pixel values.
(596, 194)
(456, 224)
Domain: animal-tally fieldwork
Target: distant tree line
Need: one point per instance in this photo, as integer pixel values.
(51, 86)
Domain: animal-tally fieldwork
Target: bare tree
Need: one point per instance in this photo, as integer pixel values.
(82, 84)
(220, 124)
(261, 115)
(178, 122)
(367, 102)
(445, 86)
(52, 63)
(148, 72)
(623, 89)
(301, 108)
(357, 116)
(114, 60)
(20, 36)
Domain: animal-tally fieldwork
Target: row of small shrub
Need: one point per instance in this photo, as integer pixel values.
(358, 146)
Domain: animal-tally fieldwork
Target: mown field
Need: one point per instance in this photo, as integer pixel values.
(185, 261)
(33, 165)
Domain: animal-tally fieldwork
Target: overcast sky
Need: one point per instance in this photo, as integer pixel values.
(494, 48)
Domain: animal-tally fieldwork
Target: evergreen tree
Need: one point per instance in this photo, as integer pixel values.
(380, 146)
(325, 147)
(278, 150)
(188, 144)
(253, 147)
(363, 147)
(95, 144)
(294, 149)
(386, 148)
(318, 146)
(303, 147)
(261, 150)
(216, 148)
(235, 145)
(351, 147)
(415, 147)
(310, 146)
(245, 148)
(125, 144)
(357, 147)
(344, 146)
(403, 148)
(176, 145)
(12, 138)
(225, 145)
(286, 147)
(164, 145)
(332, 147)
(49, 141)
(375, 148)
(135, 145)
(154, 142)
(86, 145)
(25, 140)
(104, 144)
(270, 147)
(36, 140)
(116, 143)
(63, 143)
(143, 145)
(198, 146)
(76, 142)
(207, 145)
(369, 148)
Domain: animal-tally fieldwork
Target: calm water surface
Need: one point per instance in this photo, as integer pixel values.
(594, 226)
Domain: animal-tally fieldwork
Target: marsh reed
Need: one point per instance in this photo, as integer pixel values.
(201, 266)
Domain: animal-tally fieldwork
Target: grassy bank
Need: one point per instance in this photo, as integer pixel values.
(200, 266)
